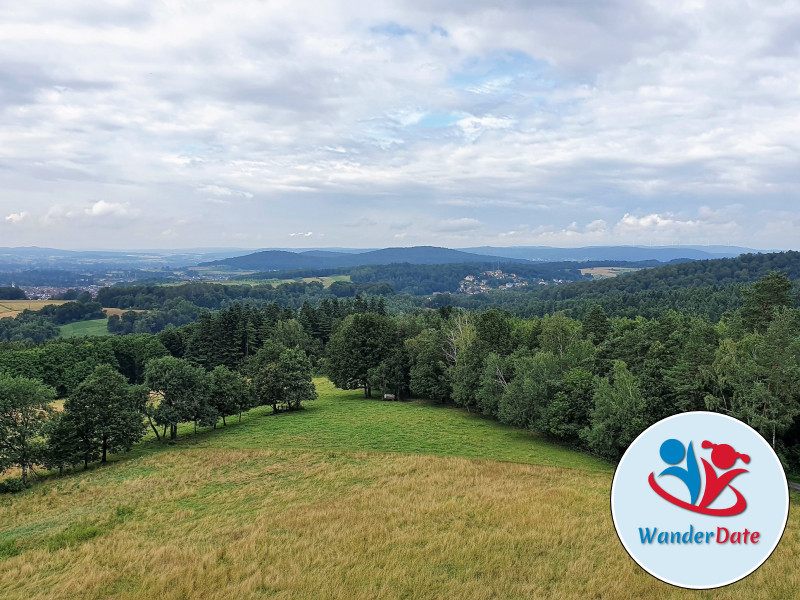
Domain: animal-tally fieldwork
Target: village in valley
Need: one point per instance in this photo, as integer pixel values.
(498, 280)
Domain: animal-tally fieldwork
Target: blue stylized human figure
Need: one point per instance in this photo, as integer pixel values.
(672, 452)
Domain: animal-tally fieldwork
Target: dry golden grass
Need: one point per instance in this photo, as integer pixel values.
(208, 521)
(605, 272)
(223, 524)
(11, 308)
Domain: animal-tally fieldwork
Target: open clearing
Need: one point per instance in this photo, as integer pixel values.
(85, 328)
(606, 272)
(11, 308)
(350, 498)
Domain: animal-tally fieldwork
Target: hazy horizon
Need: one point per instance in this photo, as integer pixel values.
(143, 124)
(246, 249)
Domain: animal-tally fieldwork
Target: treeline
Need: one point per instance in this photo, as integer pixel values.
(118, 388)
(12, 293)
(216, 296)
(711, 302)
(594, 383)
(174, 312)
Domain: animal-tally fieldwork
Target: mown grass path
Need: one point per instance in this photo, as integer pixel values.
(349, 499)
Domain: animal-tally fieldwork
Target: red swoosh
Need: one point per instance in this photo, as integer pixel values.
(736, 509)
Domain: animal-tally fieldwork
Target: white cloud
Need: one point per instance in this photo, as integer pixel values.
(102, 208)
(301, 234)
(17, 217)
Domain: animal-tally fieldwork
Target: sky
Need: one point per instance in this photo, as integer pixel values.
(177, 123)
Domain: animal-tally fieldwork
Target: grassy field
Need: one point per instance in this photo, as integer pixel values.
(11, 308)
(350, 498)
(85, 328)
(606, 272)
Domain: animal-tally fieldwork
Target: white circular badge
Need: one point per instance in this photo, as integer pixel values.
(699, 500)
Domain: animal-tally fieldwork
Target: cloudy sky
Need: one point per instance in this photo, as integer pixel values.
(293, 123)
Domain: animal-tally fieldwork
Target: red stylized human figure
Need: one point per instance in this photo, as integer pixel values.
(724, 457)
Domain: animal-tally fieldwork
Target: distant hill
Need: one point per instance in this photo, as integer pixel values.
(625, 253)
(277, 260)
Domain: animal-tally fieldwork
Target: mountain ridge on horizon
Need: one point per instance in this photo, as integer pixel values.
(274, 260)
(333, 257)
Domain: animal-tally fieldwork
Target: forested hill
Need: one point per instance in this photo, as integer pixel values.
(746, 268)
(274, 260)
(708, 287)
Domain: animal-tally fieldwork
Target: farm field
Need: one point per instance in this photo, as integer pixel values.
(11, 308)
(85, 328)
(606, 272)
(350, 498)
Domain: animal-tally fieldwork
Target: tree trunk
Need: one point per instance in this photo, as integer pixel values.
(224, 424)
(105, 450)
(173, 432)
(24, 473)
(195, 425)
(240, 416)
(158, 437)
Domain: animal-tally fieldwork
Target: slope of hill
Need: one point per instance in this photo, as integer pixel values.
(746, 268)
(350, 498)
(276, 260)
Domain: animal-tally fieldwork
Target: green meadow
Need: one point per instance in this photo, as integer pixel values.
(349, 498)
(85, 328)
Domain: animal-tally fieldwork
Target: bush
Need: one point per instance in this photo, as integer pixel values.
(11, 486)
